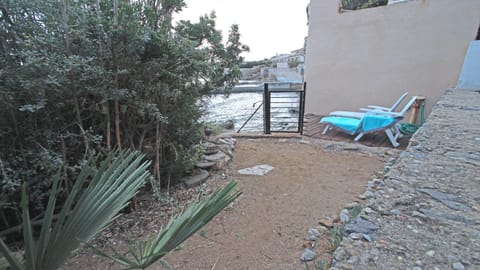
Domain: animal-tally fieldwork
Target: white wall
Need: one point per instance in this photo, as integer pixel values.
(372, 56)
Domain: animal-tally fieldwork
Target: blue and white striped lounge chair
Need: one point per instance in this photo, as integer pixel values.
(370, 122)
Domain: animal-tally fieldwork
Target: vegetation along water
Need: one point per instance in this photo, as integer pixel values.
(83, 78)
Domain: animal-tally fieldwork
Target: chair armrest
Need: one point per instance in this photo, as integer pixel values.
(378, 108)
(391, 114)
(374, 110)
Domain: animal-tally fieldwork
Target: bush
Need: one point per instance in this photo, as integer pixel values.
(85, 77)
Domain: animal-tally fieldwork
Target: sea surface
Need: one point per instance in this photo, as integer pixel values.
(238, 107)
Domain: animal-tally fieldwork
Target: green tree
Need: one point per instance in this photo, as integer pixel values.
(84, 76)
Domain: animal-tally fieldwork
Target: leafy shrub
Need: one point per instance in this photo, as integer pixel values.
(83, 77)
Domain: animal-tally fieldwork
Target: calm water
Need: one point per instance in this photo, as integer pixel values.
(238, 107)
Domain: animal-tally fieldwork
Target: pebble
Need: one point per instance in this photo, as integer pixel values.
(367, 237)
(458, 266)
(314, 232)
(326, 222)
(395, 212)
(344, 216)
(308, 255)
(352, 205)
(368, 210)
(356, 236)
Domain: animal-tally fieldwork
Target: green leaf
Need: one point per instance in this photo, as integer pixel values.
(180, 228)
(85, 213)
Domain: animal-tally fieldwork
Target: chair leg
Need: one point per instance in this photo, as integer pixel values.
(359, 136)
(326, 129)
(391, 137)
(398, 133)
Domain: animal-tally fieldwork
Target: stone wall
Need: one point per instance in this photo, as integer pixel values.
(426, 210)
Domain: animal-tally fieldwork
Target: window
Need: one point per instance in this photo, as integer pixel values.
(348, 5)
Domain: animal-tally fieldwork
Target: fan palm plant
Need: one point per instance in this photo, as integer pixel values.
(142, 254)
(85, 212)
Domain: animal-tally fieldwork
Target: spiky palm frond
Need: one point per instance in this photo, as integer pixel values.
(142, 254)
(85, 212)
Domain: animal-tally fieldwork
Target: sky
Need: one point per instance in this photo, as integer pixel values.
(268, 27)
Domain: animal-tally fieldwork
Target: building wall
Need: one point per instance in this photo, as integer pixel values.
(372, 56)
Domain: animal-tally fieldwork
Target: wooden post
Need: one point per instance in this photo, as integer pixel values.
(418, 102)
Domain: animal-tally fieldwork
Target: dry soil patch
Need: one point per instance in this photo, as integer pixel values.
(266, 226)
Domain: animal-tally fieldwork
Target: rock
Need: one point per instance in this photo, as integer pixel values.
(449, 200)
(326, 222)
(259, 170)
(356, 236)
(215, 157)
(205, 164)
(229, 124)
(438, 215)
(362, 197)
(366, 195)
(322, 229)
(458, 266)
(352, 205)
(308, 255)
(368, 210)
(430, 253)
(344, 216)
(307, 244)
(314, 232)
(222, 164)
(367, 237)
(353, 260)
(395, 212)
(418, 214)
(196, 179)
(208, 131)
(361, 225)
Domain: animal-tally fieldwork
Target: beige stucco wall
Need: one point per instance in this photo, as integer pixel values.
(372, 56)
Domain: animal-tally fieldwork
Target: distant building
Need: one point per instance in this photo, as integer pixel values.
(297, 56)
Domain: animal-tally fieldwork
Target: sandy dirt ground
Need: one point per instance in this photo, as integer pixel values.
(266, 226)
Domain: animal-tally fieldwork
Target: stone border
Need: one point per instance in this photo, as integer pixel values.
(427, 207)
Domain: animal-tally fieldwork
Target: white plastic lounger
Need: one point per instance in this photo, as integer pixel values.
(370, 108)
(370, 122)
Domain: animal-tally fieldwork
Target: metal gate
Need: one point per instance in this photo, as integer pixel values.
(284, 109)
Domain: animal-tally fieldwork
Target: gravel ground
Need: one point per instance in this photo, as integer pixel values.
(425, 211)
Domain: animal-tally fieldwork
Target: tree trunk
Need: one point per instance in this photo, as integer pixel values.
(116, 86)
(71, 75)
(102, 64)
(156, 169)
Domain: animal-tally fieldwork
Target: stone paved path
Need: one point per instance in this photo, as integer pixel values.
(427, 208)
